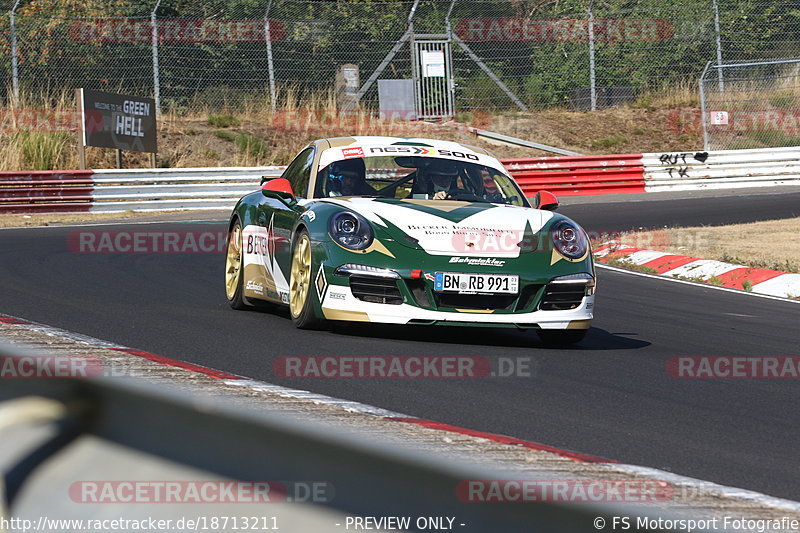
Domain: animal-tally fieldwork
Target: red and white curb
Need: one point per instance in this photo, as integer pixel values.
(757, 280)
(240, 381)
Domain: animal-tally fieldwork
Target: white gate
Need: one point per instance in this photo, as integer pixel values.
(432, 62)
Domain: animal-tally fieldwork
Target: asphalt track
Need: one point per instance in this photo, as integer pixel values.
(611, 396)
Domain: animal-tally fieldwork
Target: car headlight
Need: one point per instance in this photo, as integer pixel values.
(581, 277)
(351, 230)
(570, 240)
(574, 279)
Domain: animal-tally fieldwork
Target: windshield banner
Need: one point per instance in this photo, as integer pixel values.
(362, 150)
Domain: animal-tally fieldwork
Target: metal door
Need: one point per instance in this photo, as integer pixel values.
(433, 76)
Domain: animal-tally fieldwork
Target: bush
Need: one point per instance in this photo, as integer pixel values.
(480, 92)
(225, 135)
(223, 121)
(252, 145)
(608, 142)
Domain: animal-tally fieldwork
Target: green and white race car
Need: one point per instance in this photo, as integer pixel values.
(409, 231)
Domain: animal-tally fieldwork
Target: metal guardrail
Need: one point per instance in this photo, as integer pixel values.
(581, 175)
(514, 141)
(219, 188)
(121, 190)
(370, 478)
(653, 172)
(721, 169)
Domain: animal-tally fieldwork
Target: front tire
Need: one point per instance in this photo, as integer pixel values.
(234, 270)
(301, 289)
(561, 337)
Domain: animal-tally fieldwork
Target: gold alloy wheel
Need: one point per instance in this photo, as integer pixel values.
(301, 276)
(233, 262)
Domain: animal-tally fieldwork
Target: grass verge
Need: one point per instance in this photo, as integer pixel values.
(770, 244)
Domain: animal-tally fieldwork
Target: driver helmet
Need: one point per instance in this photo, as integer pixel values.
(442, 173)
(344, 177)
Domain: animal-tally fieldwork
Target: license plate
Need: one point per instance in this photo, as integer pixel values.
(476, 283)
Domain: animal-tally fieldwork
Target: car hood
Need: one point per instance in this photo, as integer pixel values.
(443, 227)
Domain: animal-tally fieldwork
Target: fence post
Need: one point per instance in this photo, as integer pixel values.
(273, 97)
(592, 73)
(449, 31)
(703, 118)
(719, 47)
(12, 16)
(154, 40)
(447, 26)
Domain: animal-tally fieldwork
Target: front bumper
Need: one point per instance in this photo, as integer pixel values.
(404, 299)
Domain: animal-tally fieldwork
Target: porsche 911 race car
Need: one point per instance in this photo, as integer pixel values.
(409, 231)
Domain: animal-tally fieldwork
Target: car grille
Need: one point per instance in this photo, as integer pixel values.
(475, 301)
(524, 302)
(562, 296)
(376, 290)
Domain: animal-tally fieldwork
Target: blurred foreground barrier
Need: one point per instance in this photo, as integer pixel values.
(154, 425)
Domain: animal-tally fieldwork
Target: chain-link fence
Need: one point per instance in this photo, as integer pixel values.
(506, 54)
(748, 105)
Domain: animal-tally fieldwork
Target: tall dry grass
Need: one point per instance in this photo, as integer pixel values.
(247, 132)
(684, 94)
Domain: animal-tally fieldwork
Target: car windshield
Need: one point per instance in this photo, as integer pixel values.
(423, 178)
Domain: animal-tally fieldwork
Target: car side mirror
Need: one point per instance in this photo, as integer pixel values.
(277, 185)
(546, 201)
(279, 188)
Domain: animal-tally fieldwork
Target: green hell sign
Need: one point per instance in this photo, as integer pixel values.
(118, 121)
